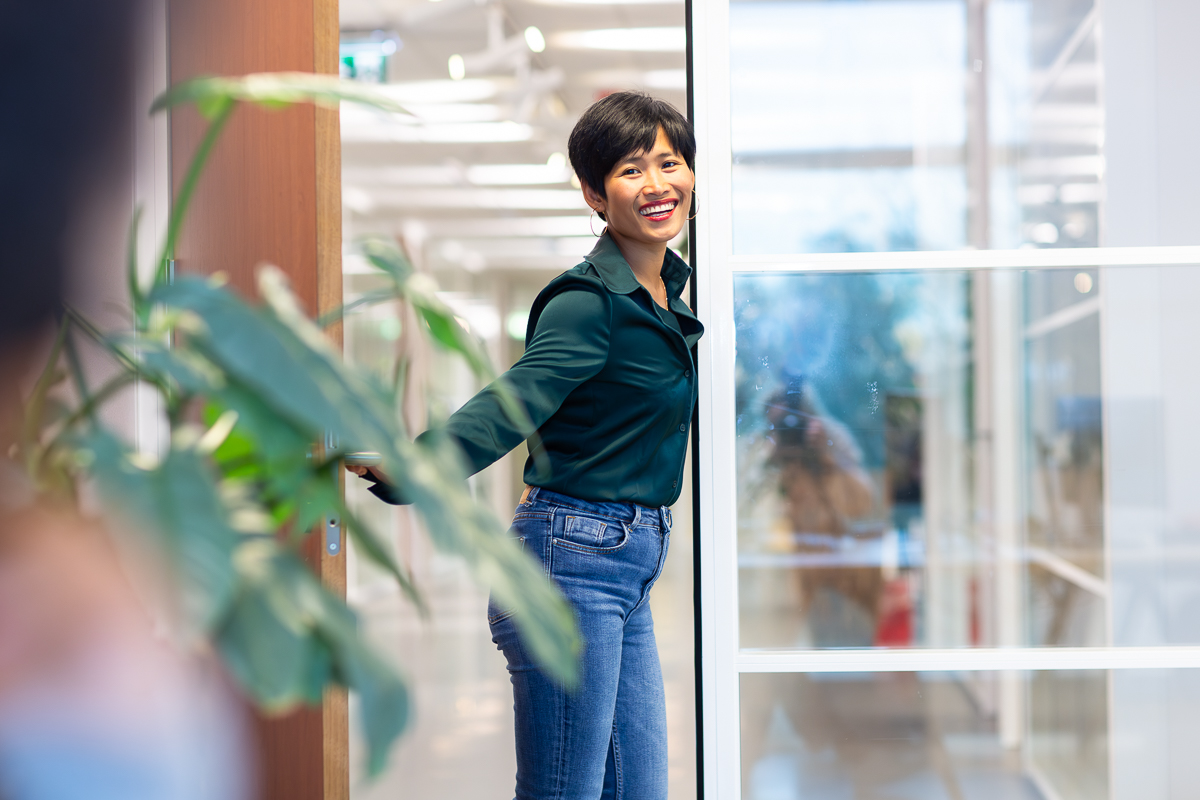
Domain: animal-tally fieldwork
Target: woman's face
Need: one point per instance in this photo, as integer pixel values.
(649, 194)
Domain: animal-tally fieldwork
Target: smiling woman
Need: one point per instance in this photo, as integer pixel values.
(634, 157)
(608, 381)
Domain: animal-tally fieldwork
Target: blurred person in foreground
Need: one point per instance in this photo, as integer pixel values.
(92, 703)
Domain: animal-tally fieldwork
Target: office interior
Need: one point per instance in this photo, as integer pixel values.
(930, 456)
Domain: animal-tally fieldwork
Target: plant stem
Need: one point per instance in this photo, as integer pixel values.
(77, 375)
(88, 409)
(95, 334)
(131, 263)
(179, 210)
(37, 399)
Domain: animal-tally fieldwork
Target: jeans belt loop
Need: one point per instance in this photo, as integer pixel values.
(665, 514)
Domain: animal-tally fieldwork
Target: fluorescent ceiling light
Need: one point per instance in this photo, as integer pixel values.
(483, 227)
(464, 91)
(516, 174)
(367, 125)
(434, 175)
(480, 198)
(608, 2)
(453, 248)
(620, 78)
(455, 112)
(660, 40)
(456, 175)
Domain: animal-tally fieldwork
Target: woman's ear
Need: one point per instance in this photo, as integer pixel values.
(592, 198)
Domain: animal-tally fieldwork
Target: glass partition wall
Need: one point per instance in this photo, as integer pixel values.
(950, 535)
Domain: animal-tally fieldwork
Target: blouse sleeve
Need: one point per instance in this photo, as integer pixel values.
(569, 345)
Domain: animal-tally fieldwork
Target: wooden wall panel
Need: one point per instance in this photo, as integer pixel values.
(271, 193)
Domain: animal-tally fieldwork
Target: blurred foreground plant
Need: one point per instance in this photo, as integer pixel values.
(249, 391)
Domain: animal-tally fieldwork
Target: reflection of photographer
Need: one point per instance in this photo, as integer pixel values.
(826, 489)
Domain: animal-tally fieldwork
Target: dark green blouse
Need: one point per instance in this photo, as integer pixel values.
(608, 380)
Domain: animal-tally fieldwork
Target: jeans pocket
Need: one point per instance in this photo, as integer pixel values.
(591, 535)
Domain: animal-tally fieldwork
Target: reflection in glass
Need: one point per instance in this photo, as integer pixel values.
(885, 125)
(959, 459)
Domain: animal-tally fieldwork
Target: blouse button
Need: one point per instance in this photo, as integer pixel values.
(682, 427)
(674, 484)
(687, 374)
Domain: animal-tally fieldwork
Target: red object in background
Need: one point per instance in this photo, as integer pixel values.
(975, 626)
(895, 627)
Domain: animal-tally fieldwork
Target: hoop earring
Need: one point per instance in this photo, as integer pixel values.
(694, 211)
(592, 225)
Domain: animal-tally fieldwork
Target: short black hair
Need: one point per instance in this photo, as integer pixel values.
(621, 124)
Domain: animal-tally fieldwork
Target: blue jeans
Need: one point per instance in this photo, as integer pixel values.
(608, 737)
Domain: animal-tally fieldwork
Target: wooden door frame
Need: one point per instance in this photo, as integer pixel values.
(272, 193)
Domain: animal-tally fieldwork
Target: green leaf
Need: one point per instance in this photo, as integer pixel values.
(376, 549)
(276, 438)
(271, 361)
(431, 474)
(385, 255)
(310, 630)
(383, 700)
(281, 665)
(179, 501)
(279, 355)
(189, 370)
(273, 90)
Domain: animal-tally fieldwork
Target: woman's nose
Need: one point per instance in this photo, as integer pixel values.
(656, 183)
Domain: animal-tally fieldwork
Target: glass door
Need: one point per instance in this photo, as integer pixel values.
(950, 537)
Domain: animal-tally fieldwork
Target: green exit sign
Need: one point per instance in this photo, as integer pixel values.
(364, 56)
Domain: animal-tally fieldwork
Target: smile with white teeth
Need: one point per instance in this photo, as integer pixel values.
(659, 208)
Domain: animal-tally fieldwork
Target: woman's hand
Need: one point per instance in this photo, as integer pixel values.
(363, 471)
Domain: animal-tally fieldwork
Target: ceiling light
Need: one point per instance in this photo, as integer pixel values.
(517, 174)
(458, 69)
(509, 227)
(366, 125)
(660, 40)
(649, 79)
(444, 91)
(534, 38)
(607, 2)
(477, 198)
(556, 160)
(455, 112)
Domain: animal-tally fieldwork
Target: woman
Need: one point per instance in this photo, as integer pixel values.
(608, 380)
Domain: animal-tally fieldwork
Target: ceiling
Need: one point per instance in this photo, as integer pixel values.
(478, 183)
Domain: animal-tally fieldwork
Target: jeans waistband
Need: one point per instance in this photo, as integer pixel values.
(629, 513)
